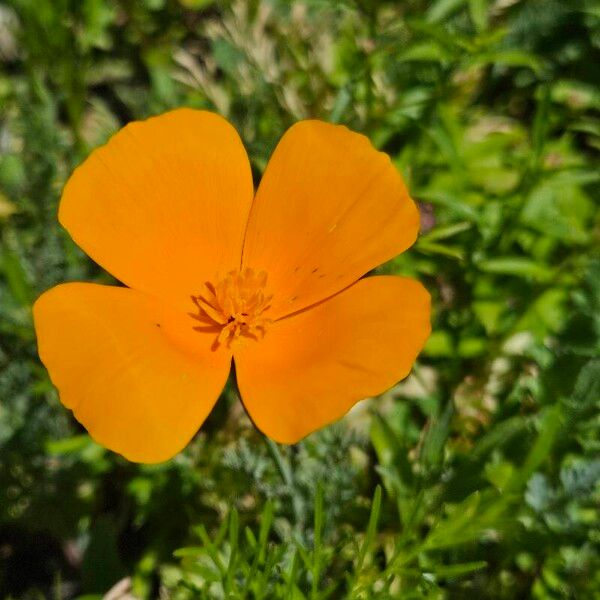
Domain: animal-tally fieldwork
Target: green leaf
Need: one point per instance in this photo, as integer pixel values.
(471, 346)
(508, 58)
(489, 313)
(457, 205)
(439, 344)
(458, 527)
(441, 9)
(450, 571)
(585, 399)
(559, 208)
(540, 127)
(69, 445)
(501, 433)
(11, 266)
(371, 529)
(587, 385)
(516, 266)
(479, 14)
(549, 428)
(425, 51)
(432, 248)
(444, 232)
(197, 4)
(7, 208)
(432, 453)
(341, 104)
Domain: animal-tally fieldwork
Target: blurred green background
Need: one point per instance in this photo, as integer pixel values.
(477, 477)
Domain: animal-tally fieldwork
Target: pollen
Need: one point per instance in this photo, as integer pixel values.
(235, 306)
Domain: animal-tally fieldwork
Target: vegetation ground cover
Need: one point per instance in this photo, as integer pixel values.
(478, 475)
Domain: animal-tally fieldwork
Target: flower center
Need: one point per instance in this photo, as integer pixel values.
(235, 305)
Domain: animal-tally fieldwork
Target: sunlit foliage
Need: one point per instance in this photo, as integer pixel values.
(475, 478)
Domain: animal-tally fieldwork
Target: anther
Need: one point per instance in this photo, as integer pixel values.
(235, 306)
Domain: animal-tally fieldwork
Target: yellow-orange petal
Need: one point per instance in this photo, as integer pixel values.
(312, 367)
(163, 206)
(329, 209)
(133, 375)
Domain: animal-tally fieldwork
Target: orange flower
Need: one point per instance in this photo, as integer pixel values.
(216, 273)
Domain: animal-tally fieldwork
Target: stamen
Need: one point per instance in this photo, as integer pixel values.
(236, 306)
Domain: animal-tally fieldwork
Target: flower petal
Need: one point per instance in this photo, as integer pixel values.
(329, 209)
(164, 204)
(310, 368)
(137, 376)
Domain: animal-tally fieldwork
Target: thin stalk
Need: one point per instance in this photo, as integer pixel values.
(287, 475)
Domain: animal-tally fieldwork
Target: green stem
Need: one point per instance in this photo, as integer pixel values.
(287, 476)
